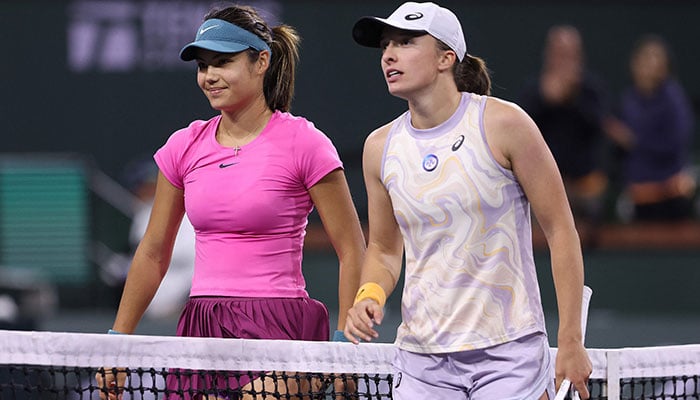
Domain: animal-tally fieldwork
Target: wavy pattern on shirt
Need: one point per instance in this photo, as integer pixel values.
(470, 276)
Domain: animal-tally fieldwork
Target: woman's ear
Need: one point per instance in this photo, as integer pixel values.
(263, 62)
(447, 59)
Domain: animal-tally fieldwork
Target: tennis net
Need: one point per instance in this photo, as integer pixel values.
(55, 365)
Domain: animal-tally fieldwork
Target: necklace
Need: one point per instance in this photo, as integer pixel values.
(237, 143)
(236, 147)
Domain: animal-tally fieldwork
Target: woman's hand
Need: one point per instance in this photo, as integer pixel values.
(574, 364)
(111, 383)
(362, 318)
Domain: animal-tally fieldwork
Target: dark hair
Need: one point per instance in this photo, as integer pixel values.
(471, 74)
(278, 85)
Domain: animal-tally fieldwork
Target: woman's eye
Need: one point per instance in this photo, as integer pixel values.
(223, 61)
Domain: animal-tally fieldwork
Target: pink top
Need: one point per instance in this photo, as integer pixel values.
(249, 208)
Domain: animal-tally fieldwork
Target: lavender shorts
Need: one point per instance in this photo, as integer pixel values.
(245, 318)
(517, 370)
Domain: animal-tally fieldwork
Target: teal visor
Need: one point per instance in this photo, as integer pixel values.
(222, 37)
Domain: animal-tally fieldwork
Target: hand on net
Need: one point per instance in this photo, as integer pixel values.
(111, 382)
(573, 366)
(564, 389)
(344, 386)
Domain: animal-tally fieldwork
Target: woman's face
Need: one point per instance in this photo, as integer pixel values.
(229, 80)
(409, 61)
(649, 67)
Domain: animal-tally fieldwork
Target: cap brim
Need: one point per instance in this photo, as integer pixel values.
(368, 30)
(189, 52)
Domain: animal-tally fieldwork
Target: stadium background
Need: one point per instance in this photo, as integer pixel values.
(99, 83)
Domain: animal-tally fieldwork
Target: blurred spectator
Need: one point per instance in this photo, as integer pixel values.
(571, 107)
(174, 291)
(9, 312)
(660, 120)
(25, 298)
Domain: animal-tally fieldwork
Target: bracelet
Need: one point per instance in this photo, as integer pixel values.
(371, 290)
(339, 336)
(113, 332)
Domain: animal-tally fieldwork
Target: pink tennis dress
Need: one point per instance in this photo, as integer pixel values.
(249, 208)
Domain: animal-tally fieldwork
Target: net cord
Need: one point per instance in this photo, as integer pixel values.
(97, 350)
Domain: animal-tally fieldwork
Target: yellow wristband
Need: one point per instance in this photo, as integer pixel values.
(371, 290)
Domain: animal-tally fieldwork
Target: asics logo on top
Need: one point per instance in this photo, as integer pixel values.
(413, 16)
(201, 31)
(458, 143)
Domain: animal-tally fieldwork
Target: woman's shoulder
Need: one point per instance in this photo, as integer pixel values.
(289, 125)
(503, 112)
(286, 129)
(384, 130)
(505, 121)
(194, 130)
(379, 135)
(291, 120)
(508, 130)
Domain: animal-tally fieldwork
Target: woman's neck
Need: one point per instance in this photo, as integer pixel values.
(432, 110)
(245, 123)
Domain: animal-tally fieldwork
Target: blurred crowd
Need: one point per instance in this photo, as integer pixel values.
(139, 177)
(629, 153)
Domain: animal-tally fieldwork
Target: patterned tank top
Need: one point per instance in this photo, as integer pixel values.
(470, 279)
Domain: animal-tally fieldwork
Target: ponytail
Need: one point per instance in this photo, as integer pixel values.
(472, 75)
(280, 77)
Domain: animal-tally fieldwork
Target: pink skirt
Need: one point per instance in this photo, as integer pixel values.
(243, 318)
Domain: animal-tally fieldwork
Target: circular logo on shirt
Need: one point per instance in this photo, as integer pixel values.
(430, 162)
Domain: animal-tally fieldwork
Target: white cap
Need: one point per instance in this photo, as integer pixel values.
(437, 21)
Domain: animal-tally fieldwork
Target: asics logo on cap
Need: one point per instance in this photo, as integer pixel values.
(413, 16)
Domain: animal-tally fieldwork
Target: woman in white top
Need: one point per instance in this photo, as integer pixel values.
(452, 181)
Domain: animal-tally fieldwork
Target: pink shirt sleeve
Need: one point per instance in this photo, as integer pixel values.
(172, 158)
(316, 155)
